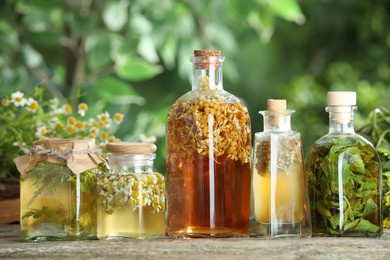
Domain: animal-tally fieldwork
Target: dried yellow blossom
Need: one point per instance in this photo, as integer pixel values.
(216, 123)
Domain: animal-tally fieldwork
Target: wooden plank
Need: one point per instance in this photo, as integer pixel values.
(9, 210)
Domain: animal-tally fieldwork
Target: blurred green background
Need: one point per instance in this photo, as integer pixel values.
(132, 56)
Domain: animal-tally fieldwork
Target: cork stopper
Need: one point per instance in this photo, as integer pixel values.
(276, 105)
(131, 147)
(341, 104)
(341, 98)
(204, 58)
(207, 53)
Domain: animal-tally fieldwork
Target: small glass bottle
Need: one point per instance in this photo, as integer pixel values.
(58, 190)
(344, 176)
(279, 202)
(208, 157)
(131, 196)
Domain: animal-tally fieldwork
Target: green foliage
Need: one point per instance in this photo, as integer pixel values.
(25, 119)
(112, 54)
(346, 167)
(377, 130)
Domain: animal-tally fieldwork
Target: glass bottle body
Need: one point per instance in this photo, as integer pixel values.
(344, 174)
(208, 161)
(279, 202)
(131, 202)
(56, 204)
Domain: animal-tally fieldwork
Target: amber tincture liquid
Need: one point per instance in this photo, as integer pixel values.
(208, 157)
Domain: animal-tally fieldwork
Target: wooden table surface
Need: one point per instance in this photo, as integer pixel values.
(244, 248)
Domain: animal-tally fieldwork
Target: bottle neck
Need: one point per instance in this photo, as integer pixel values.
(277, 121)
(341, 119)
(207, 73)
(131, 163)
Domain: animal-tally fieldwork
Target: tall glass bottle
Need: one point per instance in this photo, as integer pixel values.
(279, 202)
(208, 157)
(344, 175)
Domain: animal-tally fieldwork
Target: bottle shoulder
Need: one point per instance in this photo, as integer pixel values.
(338, 143)
(199, 95)
(200, 101)
(347, 139)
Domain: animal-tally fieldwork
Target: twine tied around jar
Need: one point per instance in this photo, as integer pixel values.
(78, 155)
(60, 155)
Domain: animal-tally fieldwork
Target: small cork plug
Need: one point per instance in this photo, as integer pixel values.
(203, 60)
(131, 148)
(274, 106)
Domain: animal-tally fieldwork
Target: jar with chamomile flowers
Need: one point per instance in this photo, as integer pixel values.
(131, 196)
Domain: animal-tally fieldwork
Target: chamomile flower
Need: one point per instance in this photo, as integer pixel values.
(71, 120)
(104, 135)
(17, 99)
(104, 117)
(93, 131)
(70, 129)
(104, 124)
(41, 132)
(82, 108)
(32, 105)
(112, 139)
(67, 109)
(5, 102)
(79, 125)
(118, 118)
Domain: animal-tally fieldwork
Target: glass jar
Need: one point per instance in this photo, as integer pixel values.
(208, 157)
(279, 202)
(131, 202)
(58, 190)
(344, 175)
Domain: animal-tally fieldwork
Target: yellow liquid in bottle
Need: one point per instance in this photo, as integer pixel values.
(278, 197)
(132, 223)
(131, 206)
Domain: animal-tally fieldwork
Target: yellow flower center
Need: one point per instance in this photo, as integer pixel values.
(68, 109)
(70, 129)
(83, 106)
(104, 135)
(79, 124)
(34, 106)
(118, 117)
(72, 120)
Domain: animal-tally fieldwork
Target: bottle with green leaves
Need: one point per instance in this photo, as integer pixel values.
(344, 176)
(58, 190)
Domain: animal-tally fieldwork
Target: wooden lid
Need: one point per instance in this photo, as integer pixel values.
(131, 147)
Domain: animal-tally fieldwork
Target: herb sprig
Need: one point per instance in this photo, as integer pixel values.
(377, 130)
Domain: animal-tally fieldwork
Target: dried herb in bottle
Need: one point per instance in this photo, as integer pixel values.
(208, 157)
(279, 203)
